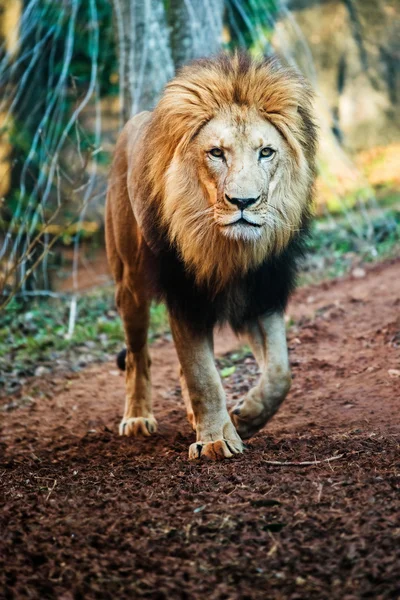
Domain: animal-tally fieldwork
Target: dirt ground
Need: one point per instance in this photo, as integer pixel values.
(86, 514)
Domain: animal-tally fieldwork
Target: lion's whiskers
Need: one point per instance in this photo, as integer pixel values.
(280, 219)
(207, 212)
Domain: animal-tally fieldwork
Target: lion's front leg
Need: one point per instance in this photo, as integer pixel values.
(267, 338)
(215, 433)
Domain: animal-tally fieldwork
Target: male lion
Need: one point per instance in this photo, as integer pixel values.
(207, 209)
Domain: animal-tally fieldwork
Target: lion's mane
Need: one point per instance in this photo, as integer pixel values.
(172, 197)
(201, 274)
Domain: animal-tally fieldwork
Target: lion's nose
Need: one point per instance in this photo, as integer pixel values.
(242, 203)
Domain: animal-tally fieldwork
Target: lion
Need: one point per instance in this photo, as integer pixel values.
(208, 207)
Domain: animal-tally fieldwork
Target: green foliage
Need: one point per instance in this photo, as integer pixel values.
(43, 102)
(34, 334)
(227, 371)
(335, 246)
(250, 23)
(56, 16)
(337, 237)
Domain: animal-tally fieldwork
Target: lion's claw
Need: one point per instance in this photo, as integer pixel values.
(135, 426)
(215, 450)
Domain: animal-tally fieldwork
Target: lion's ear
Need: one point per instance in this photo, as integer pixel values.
(291, 110)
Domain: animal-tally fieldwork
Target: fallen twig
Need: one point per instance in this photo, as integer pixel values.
(50, 490)
(305, 463)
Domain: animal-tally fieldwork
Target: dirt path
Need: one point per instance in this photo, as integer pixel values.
(88, 515)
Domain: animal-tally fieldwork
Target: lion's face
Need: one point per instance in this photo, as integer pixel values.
(240, 157)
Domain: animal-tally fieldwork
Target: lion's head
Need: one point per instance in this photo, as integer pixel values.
(230, 163)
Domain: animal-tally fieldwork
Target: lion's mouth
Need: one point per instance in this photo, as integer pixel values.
(242, 221)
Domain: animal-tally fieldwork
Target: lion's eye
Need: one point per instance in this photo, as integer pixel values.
(216, 152)
(267, 152)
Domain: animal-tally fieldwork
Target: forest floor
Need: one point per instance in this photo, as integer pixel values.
(311, 510)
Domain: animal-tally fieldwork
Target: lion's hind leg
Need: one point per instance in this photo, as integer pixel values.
(125, 252)
(138, 416)
(134, 308)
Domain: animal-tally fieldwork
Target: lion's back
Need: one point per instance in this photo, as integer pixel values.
(121, 223)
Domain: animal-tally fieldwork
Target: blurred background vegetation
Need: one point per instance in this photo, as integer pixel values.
(73, 71)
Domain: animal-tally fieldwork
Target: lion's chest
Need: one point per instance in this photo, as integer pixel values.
(262, 290)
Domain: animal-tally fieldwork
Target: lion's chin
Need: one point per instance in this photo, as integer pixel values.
(242, 230)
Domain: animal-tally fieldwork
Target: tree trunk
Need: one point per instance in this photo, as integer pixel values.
(196, 29)
(145, 62)
(149, 53)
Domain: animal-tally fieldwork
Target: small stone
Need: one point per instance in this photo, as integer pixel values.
(41, 371)
(394, 372)
(358, 273)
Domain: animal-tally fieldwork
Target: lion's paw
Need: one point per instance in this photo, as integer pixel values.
(136, 426)
(215, 450)
(249, 416)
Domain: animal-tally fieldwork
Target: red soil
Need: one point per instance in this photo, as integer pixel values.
(86, 514)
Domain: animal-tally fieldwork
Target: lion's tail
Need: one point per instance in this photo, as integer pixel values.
(121, 359)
